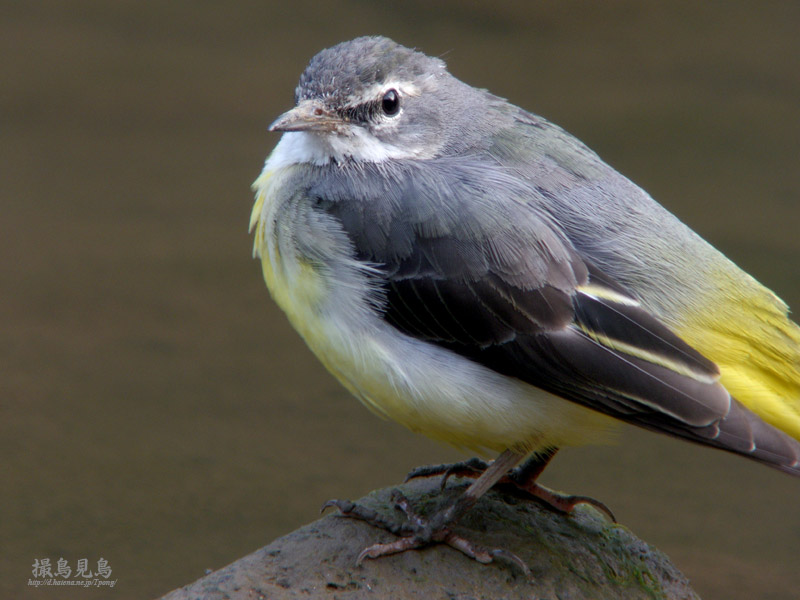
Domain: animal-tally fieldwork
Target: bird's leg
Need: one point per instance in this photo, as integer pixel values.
(419, 531)
(522, 479)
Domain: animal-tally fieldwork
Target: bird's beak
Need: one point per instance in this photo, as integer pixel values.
(309, 115)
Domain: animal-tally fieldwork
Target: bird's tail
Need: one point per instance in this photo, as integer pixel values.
(745, 433)
(749, 336)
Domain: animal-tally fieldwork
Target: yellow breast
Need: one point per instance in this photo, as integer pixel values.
(419, 385)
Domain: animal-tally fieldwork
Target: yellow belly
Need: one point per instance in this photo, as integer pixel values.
(419, 385)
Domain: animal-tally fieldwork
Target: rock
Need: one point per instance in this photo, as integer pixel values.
(575, 557)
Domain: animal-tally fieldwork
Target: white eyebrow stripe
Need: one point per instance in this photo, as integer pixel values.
(404, 88)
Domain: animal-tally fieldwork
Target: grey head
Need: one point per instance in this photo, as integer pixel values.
(371, 99)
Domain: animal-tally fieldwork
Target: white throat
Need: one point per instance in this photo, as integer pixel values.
(319, 149)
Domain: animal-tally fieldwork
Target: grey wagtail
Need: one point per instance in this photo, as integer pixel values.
(477, 274)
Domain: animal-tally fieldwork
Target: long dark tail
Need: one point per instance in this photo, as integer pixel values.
(745, 433)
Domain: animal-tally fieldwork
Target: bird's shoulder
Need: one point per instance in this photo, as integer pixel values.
(460, 216)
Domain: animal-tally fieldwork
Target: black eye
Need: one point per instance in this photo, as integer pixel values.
(390, 104)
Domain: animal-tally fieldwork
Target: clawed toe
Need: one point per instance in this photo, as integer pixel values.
(520, 482)
(471, 467)
(474, 551)
(377, 550)
(362, 513)
(573, 501)
(417, 532)
(562, 503)
(485, 555)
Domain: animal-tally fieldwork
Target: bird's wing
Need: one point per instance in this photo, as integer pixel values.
(475, 271)
(705, 298)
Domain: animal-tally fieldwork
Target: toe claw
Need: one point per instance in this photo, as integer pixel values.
(445, 476)
(398, 498)
(377, 550)
(344, 506)
(424, 471)
(472, 467)
(400, 502)
(597, 504)
(416, 532)
(355, 511)
(513, 558)
(560, 502)
(484, 555)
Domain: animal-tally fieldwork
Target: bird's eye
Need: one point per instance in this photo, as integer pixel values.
(390, 104)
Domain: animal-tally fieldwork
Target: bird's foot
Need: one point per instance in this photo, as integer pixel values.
(563, 503)
(515, 482)
(472, 467)
(417, 531)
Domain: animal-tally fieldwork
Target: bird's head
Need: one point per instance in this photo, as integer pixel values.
(371, 100)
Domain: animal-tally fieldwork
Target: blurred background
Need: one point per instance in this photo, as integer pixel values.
(156, 409)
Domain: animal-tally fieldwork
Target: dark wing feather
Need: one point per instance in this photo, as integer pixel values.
(493, 280)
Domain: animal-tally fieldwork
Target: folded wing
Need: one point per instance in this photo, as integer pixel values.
(494, 281)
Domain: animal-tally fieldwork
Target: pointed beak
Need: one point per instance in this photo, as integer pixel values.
(309, 115)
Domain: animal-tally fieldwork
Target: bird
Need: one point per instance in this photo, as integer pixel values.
(475, 273)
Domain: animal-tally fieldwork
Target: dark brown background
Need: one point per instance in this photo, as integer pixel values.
(156, 410)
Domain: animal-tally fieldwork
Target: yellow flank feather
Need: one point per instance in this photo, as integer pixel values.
(748, 333)
(418, 385)
(258, 208)
(291, 291)
(739, 324)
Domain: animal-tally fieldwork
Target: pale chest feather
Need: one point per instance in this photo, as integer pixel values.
(334, 303)
(306, 259)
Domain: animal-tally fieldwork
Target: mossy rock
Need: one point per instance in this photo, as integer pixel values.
(575, 557)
